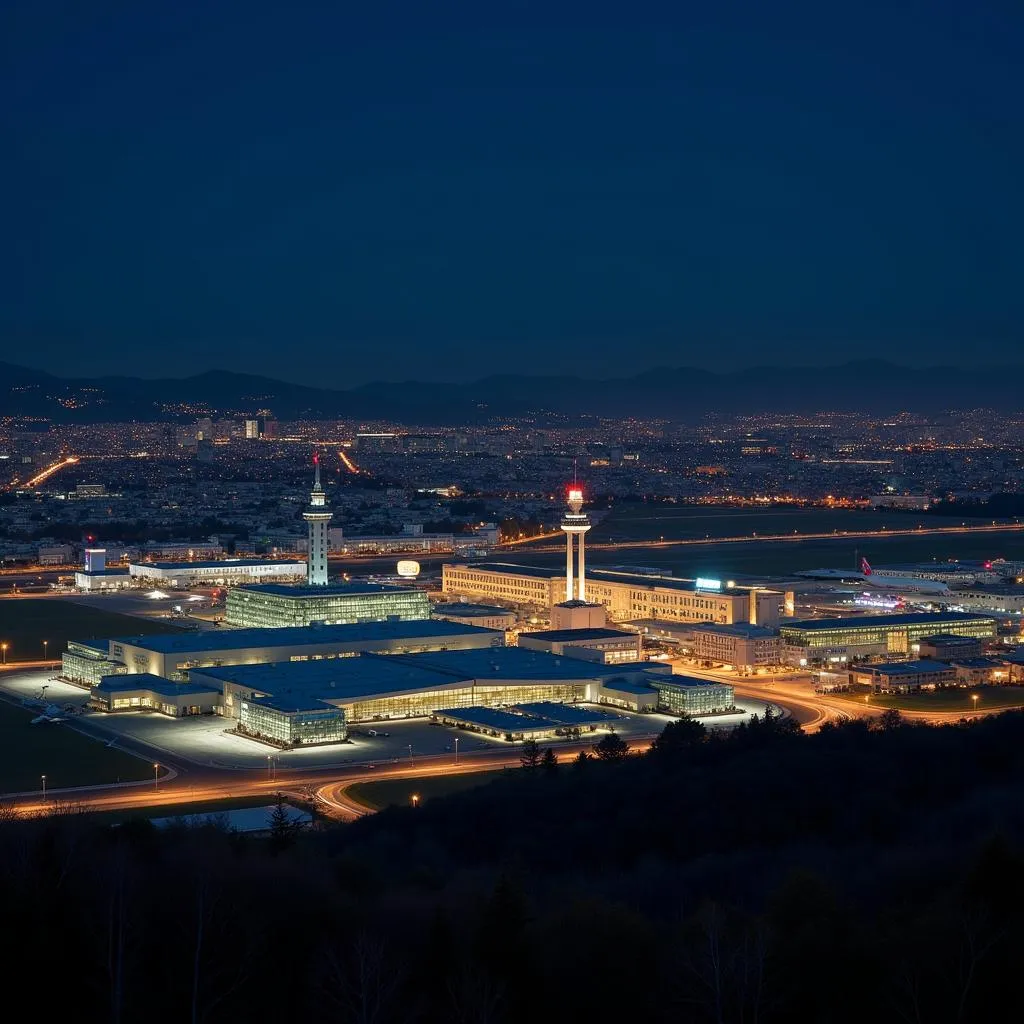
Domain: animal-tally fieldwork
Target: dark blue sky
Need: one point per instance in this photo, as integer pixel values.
(336, 192)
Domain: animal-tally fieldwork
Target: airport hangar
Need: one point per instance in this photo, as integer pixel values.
(625, 595)
(173, 656)
(314, 701)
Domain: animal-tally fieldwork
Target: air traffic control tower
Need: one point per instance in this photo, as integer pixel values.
(318, 516)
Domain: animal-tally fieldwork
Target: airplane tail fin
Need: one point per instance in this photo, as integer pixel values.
(865, 567)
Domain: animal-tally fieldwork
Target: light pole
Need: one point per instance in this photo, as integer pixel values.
(974, 697)
(45, 645)
(456, 749)
(268, 766)
(415, 799)
(3, 647)
(44, 789)
(156, 775)
(411, 761)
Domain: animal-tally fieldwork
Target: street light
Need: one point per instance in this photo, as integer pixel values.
(3, 647)
(974, 697)
(156, 775)
(45, 644)
(456, 749)
(415, 799)
(410, 755)
(44, 789)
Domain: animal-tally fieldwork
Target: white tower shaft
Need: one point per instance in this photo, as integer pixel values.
(583, 575)
(568, 567)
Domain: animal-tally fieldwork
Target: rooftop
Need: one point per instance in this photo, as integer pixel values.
(565, 635)
(328, 590)
(148, 681)
(684, 681)
(302, 636)
(495, 718)
(566, 714)
(603, 575)
(907, 668)
(875, 621)
(101, 572)
(224, 563)
(742, 629)
(467, 610)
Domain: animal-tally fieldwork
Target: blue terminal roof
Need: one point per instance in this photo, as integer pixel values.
(293, 703)
(470, 610)
(684, 681)
(563, 635)
(627, 686)
(742, 629)
(148, 681)
(298, 636)
(495, 718)
(566, 714)
(224, 563)
(327, 590)
(371, 674)
(908, 668)
(868, 621)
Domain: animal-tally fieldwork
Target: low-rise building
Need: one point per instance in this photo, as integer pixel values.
(488, 615)
(981, 671)
(687, 695)
(948, 648)
(270, 604)
(740, 646)
(605, 646)
(905, 676)
(145, 692)
(221, 573)
(842, 640)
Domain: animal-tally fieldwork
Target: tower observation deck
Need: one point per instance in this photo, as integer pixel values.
(575, 523)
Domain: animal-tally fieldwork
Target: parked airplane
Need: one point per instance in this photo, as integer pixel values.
(868, 577)
(51, 713)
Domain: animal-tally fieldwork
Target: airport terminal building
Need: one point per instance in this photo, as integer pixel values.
(173, 656)
(270, 604)
(626, 595)
(221, 573)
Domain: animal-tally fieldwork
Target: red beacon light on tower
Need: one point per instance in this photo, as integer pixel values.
(575, 494)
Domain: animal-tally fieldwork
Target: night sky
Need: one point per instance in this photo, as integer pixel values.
(339, 192)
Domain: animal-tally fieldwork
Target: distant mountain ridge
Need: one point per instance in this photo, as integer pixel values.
(676, 393)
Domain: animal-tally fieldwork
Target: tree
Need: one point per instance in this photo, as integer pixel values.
(582, 758)
(283, 825)
(549, 762)
(677, 738)
(531, 756)
(612, 748)
(890, 719)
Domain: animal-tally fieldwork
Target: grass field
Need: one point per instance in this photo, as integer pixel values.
(26, 622)
(65, 757)
(989, 697)
(183, 810)
(399, 792)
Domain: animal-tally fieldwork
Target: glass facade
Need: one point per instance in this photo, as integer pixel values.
(895, 637)
(425, 702)
(264, 608)
(292, 728)
(87, 669)
(693, 700)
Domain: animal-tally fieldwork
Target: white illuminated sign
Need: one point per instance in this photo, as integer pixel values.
(704, 584)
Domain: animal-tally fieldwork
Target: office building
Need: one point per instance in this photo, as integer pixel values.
(823, 641)
(272, 604)
(740, 645)
(145, 692)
